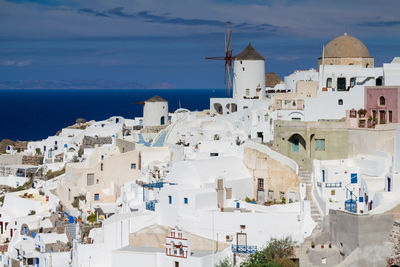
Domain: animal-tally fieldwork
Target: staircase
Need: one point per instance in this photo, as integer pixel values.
(305, 177)
(72, 230)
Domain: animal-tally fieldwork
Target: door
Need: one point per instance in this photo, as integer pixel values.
(388, 180)
(382, 117)
(260, 196)
(341, 84)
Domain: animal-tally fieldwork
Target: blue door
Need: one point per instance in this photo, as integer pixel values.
(323, 176)
(353, 178)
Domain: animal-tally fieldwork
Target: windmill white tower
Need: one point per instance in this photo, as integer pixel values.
(249, 75)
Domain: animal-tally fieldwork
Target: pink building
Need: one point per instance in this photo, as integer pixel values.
(382, 103)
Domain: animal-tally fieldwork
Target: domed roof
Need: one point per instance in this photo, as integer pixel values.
(346, 46)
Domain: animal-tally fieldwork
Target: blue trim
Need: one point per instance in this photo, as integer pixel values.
(244, 249)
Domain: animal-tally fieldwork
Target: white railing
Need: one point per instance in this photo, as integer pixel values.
(273, 154)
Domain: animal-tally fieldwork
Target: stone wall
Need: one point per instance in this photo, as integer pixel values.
(277, 177)
(32, 160)
(395, 240)
(90, 142)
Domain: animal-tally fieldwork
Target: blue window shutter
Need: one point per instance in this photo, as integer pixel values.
(353, 178)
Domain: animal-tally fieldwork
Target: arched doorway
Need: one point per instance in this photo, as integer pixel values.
(298, 143)
(218, 108)
(162, 122)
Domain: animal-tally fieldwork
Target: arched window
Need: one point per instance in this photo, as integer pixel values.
(329, 83)
(340, 102)
(382, 101)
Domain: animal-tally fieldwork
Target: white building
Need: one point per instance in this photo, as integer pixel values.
(155, 111)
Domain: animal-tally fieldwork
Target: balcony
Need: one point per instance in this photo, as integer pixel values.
(244, 249)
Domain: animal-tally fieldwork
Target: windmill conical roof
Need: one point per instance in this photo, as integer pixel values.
(156, 98)
(249, 53)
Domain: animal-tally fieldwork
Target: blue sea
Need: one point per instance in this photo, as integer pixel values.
(36, 114)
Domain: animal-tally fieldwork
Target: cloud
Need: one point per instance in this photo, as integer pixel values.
(93, 12)
(149, 17)
(16, 63)
(380, 23)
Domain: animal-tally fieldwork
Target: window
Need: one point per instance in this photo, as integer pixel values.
(185, 200)
(340, 102)
(320, 144)
(296, 119)
(213, 154)
(260, 184)
(170, 199)
(390, 116)
(101, 166)
(247, 92)
(90, 178)
(96, 197)
(245, 107)
(133, 165)
(281, 195)
(374, 114)
(243, 68)
(329, 83)
(341, 84)
(382, 101)
(102, 157)
(378, 81)
(352, 82)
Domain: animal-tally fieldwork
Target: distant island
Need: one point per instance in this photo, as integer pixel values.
(80, 84)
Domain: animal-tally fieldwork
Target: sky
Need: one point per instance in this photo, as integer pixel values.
(163, 43)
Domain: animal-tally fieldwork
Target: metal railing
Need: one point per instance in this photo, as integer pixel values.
(151, 205)
(244, 249)
(333, 185)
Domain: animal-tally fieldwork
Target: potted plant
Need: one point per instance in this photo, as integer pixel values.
(371, 122)
(322, 245)
(312, 244)
(362, 112)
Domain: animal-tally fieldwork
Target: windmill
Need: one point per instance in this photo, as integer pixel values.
(228, 57)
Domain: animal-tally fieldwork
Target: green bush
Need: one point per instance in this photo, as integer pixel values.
(277, 253)
(283, 201)
(247, 199)
(92, 218)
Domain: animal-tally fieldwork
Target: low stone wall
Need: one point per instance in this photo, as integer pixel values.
(90, 142)
(395, 240)
(32, 160)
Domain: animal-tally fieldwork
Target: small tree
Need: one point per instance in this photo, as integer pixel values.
(277, 253)
(37, 150)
